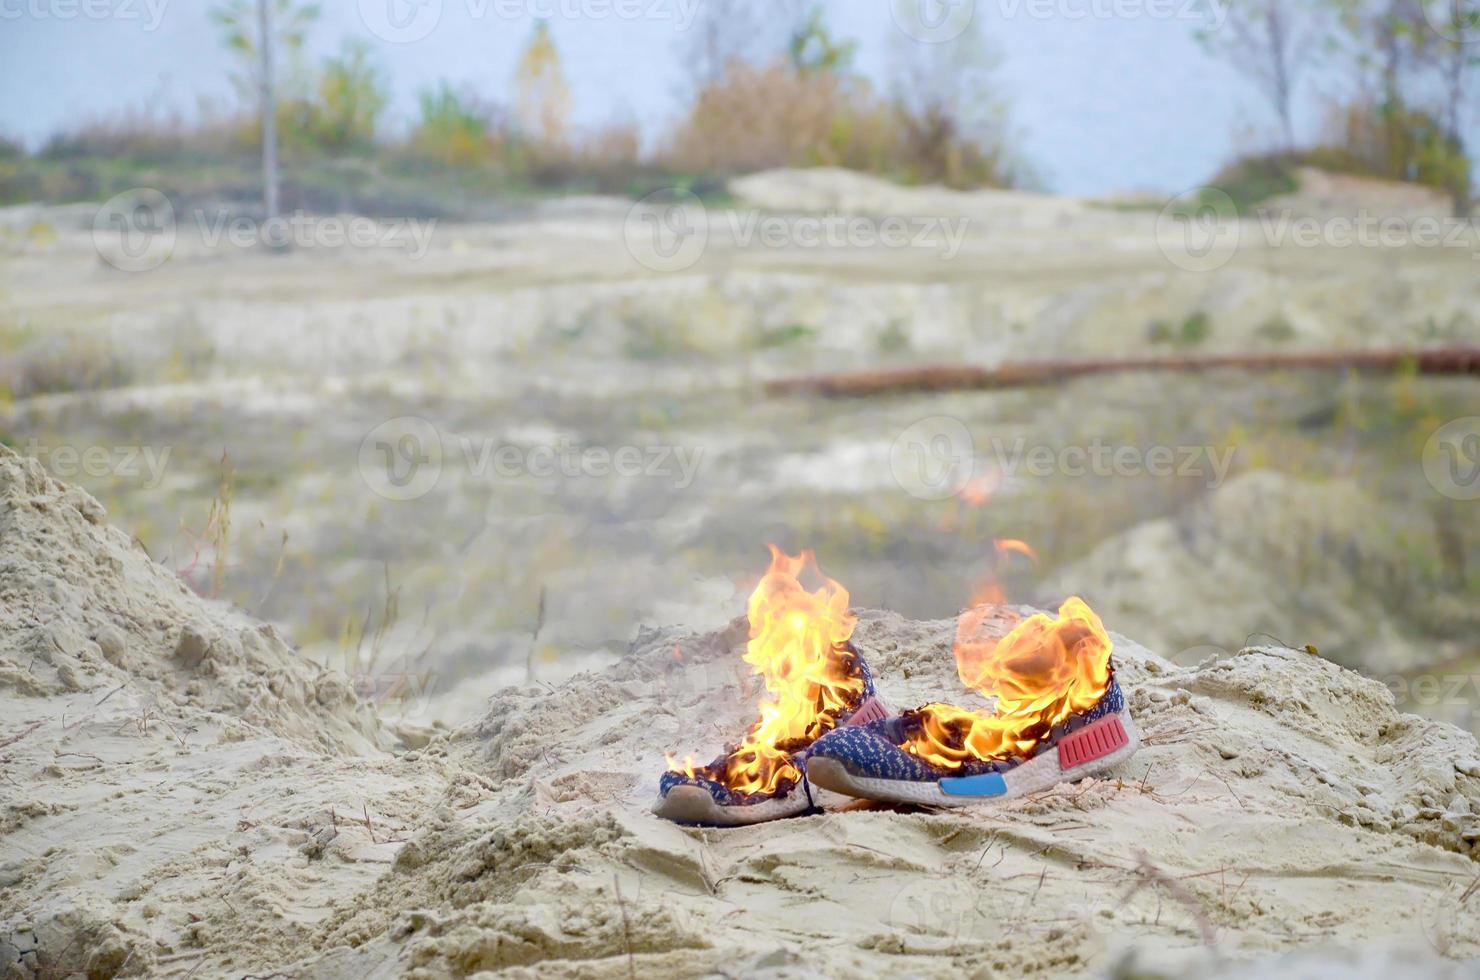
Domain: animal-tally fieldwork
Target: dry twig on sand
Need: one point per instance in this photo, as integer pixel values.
(626, 928)
(1151, 875)
(12, 739)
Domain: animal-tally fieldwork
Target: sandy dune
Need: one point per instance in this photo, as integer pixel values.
(183, 795)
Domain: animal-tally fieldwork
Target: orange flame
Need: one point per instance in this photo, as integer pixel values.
(799, 647)
(973, 495)
(980, 490)
(1042, 672)
(989, 589)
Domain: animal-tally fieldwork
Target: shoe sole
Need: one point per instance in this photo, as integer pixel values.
(1092, 750)
(689, 804)
(693, 805)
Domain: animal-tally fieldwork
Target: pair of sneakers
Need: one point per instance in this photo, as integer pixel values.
(1060, 716)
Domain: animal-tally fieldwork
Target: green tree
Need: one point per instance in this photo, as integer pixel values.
(813, 48)
(352, 95)
(542, 97)
(452, 129)
(253, 30)
(1418, 56)
(1457, 23)
(954, 120)
(725, 32)
(1270, 42)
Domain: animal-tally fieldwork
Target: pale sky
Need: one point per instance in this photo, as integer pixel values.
(1105, 95)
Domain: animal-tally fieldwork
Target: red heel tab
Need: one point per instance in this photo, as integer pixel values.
(870, 710)
(1093, 742)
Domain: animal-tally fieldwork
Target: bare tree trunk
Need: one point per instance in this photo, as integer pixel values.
(269, 113)
(1455, 67)
(1279, 49)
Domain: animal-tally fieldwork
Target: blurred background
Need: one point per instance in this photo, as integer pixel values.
(440, 333)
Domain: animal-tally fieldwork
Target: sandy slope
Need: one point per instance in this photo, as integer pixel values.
(182, 795)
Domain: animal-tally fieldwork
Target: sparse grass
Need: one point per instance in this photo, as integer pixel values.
(57, 362)
(1276, 330)
(791, 333)
(216, 534)
(1191, 332)
(894, 338)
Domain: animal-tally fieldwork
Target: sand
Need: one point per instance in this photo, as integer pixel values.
(181, 794)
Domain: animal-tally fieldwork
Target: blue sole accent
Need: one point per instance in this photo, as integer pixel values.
(987, 784)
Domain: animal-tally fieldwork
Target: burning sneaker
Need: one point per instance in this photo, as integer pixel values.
(815, 682)
(1060, 716)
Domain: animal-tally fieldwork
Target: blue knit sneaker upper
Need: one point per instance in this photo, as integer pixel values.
(874, 750)
(724, 796)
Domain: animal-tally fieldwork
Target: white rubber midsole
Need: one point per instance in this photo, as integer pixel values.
(686, 803)
(1033, 776)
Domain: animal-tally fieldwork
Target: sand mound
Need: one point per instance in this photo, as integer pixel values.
(1282, 800)
(1220, 553)
(1327, 196)
(834, 190)
(168, 766)
(84, 609)
(1282, 807)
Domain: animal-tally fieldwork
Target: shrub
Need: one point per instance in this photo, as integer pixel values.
(1360, 138)
(454, 129)
(152, 138)
(352, 95)
(1392, 142)
(1253, 179)
(782, 115)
